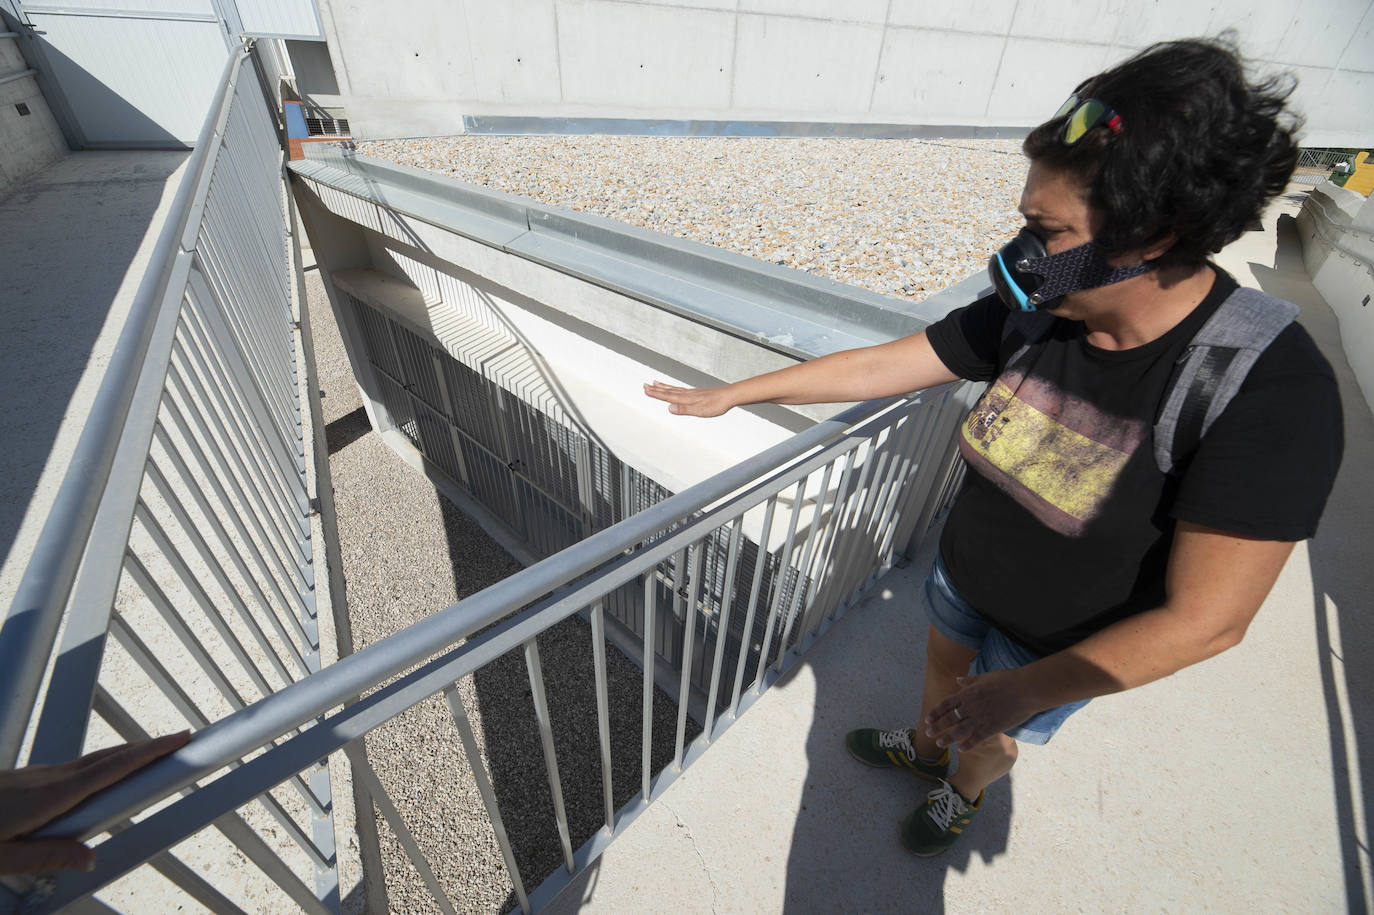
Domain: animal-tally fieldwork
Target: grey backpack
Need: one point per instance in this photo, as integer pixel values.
(1207, 375)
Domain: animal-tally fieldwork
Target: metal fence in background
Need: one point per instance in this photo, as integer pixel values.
(1315, 165)
(177, 561)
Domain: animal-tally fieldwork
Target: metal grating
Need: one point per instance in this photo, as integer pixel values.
(328, 127)
(472, 402)
(399, 407)
(554, 485)
(436, 442)
(417, 361)
(489, 483)
(381, 352)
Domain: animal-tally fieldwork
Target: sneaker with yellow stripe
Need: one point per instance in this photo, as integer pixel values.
(936, 826)
(894, 749)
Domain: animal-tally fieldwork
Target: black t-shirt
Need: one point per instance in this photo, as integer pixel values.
(1064, 522)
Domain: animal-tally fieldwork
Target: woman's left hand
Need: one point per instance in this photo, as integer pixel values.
(985, 705)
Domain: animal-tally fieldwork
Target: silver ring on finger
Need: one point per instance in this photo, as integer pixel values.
(958, 716)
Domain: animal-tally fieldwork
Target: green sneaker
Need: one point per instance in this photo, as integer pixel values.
(935, 827)
(889, 749)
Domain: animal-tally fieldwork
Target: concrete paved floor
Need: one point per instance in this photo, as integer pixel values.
(1233, 786)
(76, 239)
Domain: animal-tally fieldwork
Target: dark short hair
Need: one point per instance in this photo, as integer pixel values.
(1202, 149)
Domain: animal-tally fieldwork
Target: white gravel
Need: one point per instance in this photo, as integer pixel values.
(897, 217)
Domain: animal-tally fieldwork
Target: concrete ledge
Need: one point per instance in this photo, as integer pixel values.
(1337, 231)
(784, 310)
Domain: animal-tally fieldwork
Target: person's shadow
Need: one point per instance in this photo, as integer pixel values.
(845, 854)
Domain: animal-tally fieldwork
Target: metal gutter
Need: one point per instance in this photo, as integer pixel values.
(518, 125)
(775, 307)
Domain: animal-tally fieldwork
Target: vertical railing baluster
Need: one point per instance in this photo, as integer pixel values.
(143, 656)
(218, 572)
(479, 773)
(249, 498)
(541, 712)
(723, 625)
(647, 733)
(603, 717)
(823, 573)
(747, 636)
(837, 587)
(231, 825)
(192, 584)
(226, 383)
(804, 567)
(362, 770)
(693, 592)
(245, 541)
(903, 466)
(779, 582)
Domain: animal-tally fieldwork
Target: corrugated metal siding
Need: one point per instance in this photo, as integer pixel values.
(134, 81)
(175, 9)
(280, 19)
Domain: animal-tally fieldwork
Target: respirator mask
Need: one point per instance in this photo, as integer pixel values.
(1028, 279)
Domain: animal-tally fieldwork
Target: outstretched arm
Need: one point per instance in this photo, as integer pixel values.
(884, 370)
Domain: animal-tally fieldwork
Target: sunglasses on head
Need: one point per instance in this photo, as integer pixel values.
(1084, 115)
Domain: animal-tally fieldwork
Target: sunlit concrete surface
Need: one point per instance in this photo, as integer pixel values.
(1233, 786)
(76, 240)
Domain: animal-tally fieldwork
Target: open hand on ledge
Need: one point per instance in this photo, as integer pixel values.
(36, 795)
(690, 401)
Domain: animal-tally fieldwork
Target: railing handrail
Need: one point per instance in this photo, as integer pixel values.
(30, 628)
(244, 732)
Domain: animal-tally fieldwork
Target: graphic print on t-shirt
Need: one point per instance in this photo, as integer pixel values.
(1057, 455)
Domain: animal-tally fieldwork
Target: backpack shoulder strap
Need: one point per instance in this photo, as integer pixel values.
(1212, 369)
(1030, 326)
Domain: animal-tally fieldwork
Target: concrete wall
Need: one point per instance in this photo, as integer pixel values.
(1337, 227)
(28, 142)
(419, 67)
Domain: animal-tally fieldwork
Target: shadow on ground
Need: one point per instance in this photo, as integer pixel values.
(845, 854)
(1342, 580)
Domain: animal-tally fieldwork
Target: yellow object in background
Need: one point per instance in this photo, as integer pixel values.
(1361, 180)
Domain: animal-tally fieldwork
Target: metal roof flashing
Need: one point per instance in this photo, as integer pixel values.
(775, 307)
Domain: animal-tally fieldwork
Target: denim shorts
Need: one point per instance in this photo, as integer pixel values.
(953, 618)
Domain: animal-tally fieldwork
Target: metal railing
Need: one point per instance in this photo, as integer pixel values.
(842, 491)
(195, 465)
(184, 519)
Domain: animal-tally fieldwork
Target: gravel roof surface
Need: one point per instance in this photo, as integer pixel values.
(897, 217)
